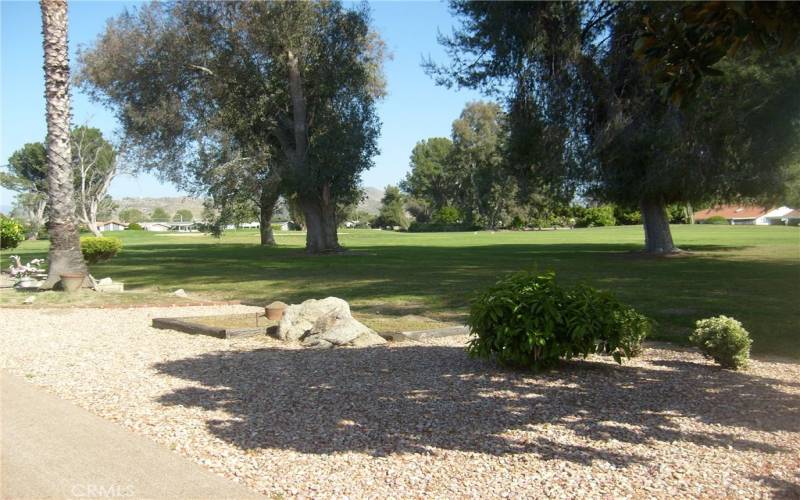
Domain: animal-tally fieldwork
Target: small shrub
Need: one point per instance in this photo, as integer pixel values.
(724, 340)
(99, 249)
(134, 226)
(717, 219)
(529, 321)
(11, 232)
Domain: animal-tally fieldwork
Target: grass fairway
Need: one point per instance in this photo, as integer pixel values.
(751, 273)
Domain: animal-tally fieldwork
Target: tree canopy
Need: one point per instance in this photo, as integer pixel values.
(583, 114)
(284, 90)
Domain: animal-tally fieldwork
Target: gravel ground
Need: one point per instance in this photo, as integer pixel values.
(419, 419)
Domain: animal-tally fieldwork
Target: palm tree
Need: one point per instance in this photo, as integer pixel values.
(65, 247)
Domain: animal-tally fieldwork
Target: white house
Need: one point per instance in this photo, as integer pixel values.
(745, 215)
(111, 225)
(155, 226)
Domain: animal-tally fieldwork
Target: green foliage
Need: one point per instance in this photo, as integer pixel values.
(183, 215)
(716, 219)
(392, 212)
(160, 215)
(596, 217)
(447, 215)
(682, 42)
(131, 215)
(627, 217)
(11, 232)
(528, 321)
(134, 226)
(99, 249)
(724, 340)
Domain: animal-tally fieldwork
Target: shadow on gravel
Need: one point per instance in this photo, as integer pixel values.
(406, 399)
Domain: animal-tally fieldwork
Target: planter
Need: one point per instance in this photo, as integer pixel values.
(275, 311)
(72, 282)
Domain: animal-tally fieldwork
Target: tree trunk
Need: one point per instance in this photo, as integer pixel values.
(320, 215)
(65, 247)
(657, 235)
(266, 209)
(92, 222)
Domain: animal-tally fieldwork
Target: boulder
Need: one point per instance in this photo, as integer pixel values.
(325, 323)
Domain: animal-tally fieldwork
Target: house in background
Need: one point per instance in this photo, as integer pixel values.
(792, 218)
(155, 226)
(111, 225)
(745, 215)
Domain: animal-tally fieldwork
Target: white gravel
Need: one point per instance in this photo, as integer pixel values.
(419, 419)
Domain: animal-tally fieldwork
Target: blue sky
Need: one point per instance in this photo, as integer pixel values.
(414, 109)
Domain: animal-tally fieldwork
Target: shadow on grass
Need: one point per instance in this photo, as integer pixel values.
(407, 399)
(440, 280)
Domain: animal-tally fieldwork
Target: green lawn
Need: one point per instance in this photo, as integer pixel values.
(751, 273)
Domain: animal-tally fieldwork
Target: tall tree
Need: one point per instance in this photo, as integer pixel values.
(291, 83)
(392, 212)
(27, 175)
(183, 215)
(587, 114)
(428, 182)
(94, 161)
(65, 247)
(486, 189)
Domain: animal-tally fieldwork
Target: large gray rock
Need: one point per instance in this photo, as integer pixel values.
(325, 323)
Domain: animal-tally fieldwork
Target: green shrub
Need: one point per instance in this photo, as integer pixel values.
(717, 219)
(447, 215)
(724, 340)
(597, 216)
(134, 226)
(11, 232)
(627, 216)
(528, 321)
(99, 249)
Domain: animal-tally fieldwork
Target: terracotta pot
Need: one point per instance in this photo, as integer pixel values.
(275, 311)
(72, 282)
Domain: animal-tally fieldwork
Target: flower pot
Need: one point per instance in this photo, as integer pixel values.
(71, 282)
(275, 311)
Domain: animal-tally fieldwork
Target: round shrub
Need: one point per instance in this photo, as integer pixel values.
(724, 340)
(99, 249)
(528, 321)
(717, 219)
(597, 216)
(11, 232)
(134, 226)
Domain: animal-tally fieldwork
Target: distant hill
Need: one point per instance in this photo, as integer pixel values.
(370, 204)
(169, 204)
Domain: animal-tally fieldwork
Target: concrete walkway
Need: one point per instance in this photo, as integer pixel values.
(54, 449)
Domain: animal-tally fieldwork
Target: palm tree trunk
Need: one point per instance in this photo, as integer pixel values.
(65, 248)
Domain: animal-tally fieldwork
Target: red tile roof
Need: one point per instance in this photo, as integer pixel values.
(732, 212)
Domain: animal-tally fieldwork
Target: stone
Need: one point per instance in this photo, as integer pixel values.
(109, 287)
(180, 293)
(105, 281)
(29, 300)
(325, 323)
(299, 319)
(368, 339)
